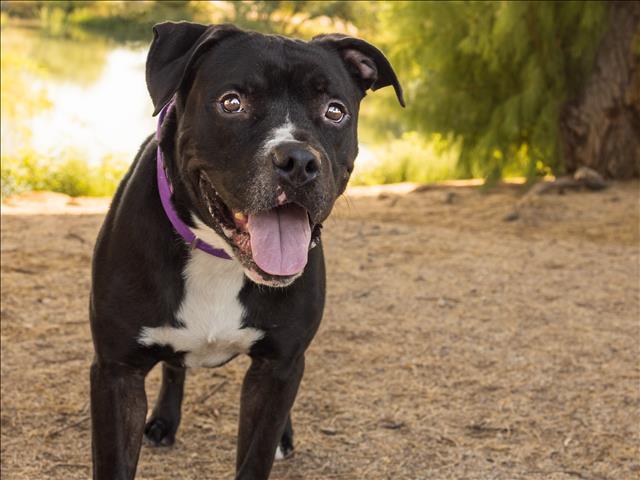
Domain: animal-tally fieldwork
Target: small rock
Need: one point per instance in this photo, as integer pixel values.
(391, 424)
(450, 197)
(590, 178)
(511, 217)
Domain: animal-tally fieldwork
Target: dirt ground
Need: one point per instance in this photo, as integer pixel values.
(455, 344)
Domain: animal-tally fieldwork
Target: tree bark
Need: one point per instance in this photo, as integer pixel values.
(600, 129)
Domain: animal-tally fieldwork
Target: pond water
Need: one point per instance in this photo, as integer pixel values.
(97, 99)
(109, 117)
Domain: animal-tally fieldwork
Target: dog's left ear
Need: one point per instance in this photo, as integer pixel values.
(174, 49)
(365, 62)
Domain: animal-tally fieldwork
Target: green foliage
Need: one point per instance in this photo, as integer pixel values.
(494, 74)
(122, 21)
(133, 21)
(20, 96)
(16, 70)
(297, 18)
(127, 21)
(70, 174)
(489, 77)
(40, 55)
(410, 158)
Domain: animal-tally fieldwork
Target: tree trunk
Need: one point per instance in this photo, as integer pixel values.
(601, 128)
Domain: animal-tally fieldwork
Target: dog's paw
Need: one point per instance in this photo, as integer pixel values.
(159, 433)
(284, 452)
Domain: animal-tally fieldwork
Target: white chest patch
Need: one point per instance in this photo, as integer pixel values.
(210, 312)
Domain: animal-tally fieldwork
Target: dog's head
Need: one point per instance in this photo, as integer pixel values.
(266, 132)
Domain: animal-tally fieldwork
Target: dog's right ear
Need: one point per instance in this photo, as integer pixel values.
(174, 49)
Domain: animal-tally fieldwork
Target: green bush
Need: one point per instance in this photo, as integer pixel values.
(70, 174)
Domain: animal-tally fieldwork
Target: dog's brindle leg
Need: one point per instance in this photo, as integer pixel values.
(118, 410)
(268, 392)
(165, 418)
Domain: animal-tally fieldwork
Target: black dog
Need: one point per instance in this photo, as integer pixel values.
(211, 246)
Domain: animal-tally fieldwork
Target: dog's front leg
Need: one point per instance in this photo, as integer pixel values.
(118, 410)
(268, 393)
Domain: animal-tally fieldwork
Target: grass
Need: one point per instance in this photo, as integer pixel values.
(70, 174)
(409, 158)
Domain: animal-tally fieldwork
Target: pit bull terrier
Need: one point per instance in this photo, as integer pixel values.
(211, 247)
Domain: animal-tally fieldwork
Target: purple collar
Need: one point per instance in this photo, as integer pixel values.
(165, 189)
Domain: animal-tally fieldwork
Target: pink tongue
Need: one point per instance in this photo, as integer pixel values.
(280, 239)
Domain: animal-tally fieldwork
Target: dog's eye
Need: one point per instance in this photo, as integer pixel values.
(335, 112)
(231, 103)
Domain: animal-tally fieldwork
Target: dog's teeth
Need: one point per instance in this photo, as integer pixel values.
(240, 216)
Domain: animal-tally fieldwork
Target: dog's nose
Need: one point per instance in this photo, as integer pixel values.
(296, 165)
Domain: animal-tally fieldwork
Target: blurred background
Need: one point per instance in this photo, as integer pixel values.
(494, 89)
(470, 332)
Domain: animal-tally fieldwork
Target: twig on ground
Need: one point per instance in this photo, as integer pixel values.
(212, 391)
(58, 431)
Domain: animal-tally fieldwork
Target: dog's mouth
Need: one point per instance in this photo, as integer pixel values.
(272, 245)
